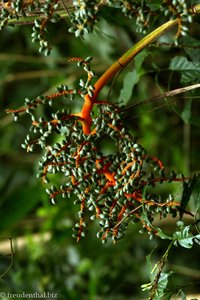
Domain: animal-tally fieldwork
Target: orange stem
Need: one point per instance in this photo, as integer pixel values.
(123, 62)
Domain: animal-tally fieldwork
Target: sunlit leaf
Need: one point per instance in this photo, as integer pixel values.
(183, 296)
(162, 284)
(184, 237)
(197, 239)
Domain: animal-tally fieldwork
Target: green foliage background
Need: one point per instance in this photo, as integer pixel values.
(50, 259)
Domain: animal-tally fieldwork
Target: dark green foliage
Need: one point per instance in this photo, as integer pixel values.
(189, 70)
(12, 12)
(74, 164)
(187, 191)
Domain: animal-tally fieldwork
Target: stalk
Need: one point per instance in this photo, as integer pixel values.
(121, 63)
(124, 60)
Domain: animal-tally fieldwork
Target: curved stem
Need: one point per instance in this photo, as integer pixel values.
(130, 54)
(133, 51)
(123, 62)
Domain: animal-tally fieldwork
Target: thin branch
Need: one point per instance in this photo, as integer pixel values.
(182, 46)
(127, 215)
(66, 8)
(164, 95)
(38, 101)
(160, 265)
(11, 262)
(186, 271)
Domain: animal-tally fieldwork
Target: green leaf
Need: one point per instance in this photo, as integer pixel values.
(190, 71)
(197, 239)
(162, 284)
(154, 5)
(193, 120)
(184, 237)
(188, 188)
(183, 296)
(194, 53)
(132, 78)
(150, 266)
(145, 219)
(18, 204)
(139, 59)
(162, 235)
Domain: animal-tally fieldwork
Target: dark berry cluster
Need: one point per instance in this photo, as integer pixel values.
(179, 9)
(84, 14)
(116, 188)
(39, 13)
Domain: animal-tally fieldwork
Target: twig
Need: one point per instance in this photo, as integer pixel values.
(11, 262)
(128, 214)
(66, 8)
(164, 95)
(160, 265)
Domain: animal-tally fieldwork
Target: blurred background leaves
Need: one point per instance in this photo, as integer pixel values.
(46, 257)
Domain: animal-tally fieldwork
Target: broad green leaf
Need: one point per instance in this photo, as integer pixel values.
(18, 204)
(188, 188)
(4, 186)
(190, 70)
(154, 5)
(139, 59)
(194, 53)
(150, 266)
(132, 78)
